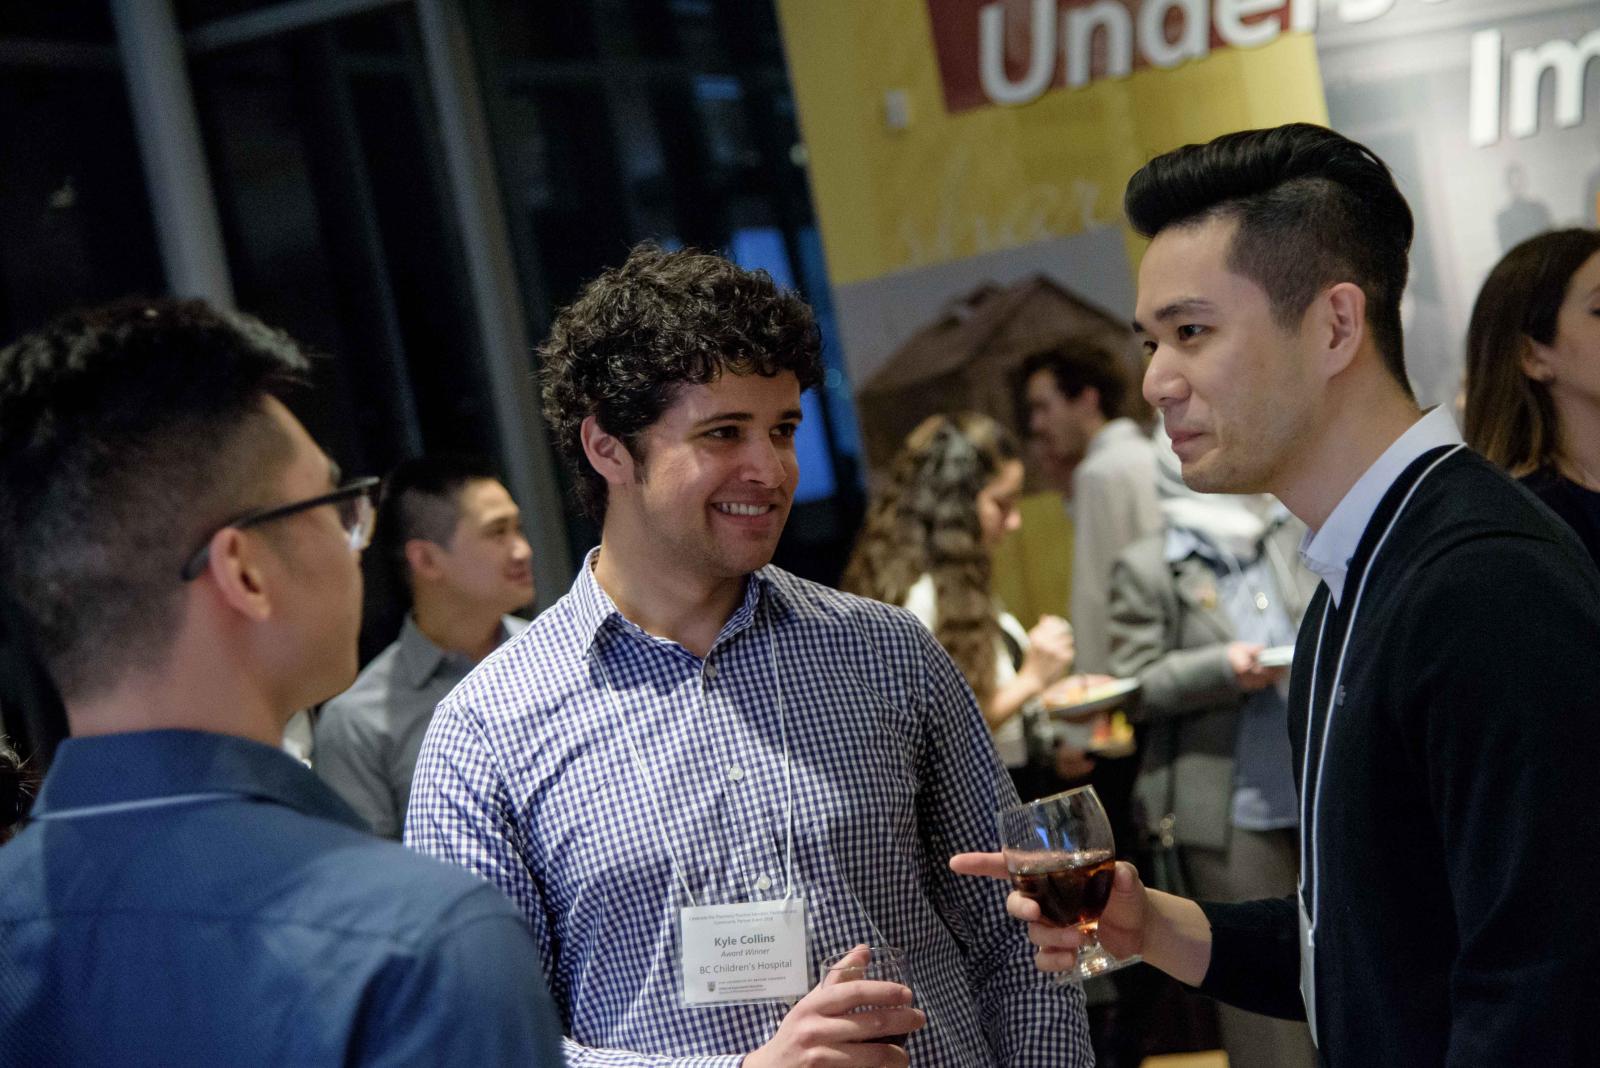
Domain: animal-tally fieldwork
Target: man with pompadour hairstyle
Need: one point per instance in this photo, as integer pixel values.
(185, 893)
(1443, 694)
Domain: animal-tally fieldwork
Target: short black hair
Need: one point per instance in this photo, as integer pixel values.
(421, 499)
(1314, 208)
(129, 433)
(1075, 365)
(663, 320)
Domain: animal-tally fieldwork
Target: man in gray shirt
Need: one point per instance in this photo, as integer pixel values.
(456, 539)
(1075, 393)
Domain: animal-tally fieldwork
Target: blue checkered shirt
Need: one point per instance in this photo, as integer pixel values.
(526, 778)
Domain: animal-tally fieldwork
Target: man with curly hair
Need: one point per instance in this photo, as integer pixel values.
(701, 777)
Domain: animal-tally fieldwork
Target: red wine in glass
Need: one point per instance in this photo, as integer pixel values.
(1061, 854)
(1071, 888)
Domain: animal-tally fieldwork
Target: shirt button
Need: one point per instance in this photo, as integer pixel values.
(763, 883)
(710, 671)
(735, 772)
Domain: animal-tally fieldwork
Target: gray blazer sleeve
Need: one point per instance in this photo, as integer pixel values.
(1146, 627)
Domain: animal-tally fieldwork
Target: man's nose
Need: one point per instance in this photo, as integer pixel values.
(764, 463)
(1163, 386)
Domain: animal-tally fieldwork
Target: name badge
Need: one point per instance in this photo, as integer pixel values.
(1308, 968)
(738, 954)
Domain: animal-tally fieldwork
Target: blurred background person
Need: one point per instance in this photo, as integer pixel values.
(452, 531)
(1030, 574)
(1521, 216)
(949, 500)
(1192, 609)
(1533, 373)
(1076, 394)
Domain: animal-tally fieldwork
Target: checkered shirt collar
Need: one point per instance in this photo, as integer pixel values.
(594, 609)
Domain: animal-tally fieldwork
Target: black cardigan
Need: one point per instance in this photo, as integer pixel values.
(1459, 827)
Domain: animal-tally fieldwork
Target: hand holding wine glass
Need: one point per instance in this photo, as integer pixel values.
(1169, 932)
(1062, 857)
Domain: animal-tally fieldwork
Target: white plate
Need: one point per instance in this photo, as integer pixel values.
(1106, 695)
(1277, 656)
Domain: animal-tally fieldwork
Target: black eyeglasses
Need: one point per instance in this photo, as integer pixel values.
(355, 500)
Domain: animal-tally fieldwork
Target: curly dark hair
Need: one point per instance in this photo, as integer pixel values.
(661, 321)
(1314, 208)
(127, 434)
(924, 521)
(18, 785)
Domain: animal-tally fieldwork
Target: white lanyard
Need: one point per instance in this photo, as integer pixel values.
(1309, 859)
(130, 806)
(788, 784)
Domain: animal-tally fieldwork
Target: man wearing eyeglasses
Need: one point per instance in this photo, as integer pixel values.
(185, 893)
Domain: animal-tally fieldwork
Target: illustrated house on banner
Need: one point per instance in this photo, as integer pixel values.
(970, 357)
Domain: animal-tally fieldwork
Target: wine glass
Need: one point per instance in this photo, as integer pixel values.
(1061, 854)
(884, 963)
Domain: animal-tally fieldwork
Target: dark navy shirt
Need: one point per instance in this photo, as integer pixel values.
(1577, 505)
(183, 898)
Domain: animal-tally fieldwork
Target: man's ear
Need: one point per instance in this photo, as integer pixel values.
(237, 569)
(1340, 325)
(1087, 400)
(1535, 361)
(422, 556)
(606, 453)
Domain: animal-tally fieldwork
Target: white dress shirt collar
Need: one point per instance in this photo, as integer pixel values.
(1327, 552)
(1114, 432)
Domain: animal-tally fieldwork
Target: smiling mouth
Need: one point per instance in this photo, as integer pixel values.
(744, 509)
